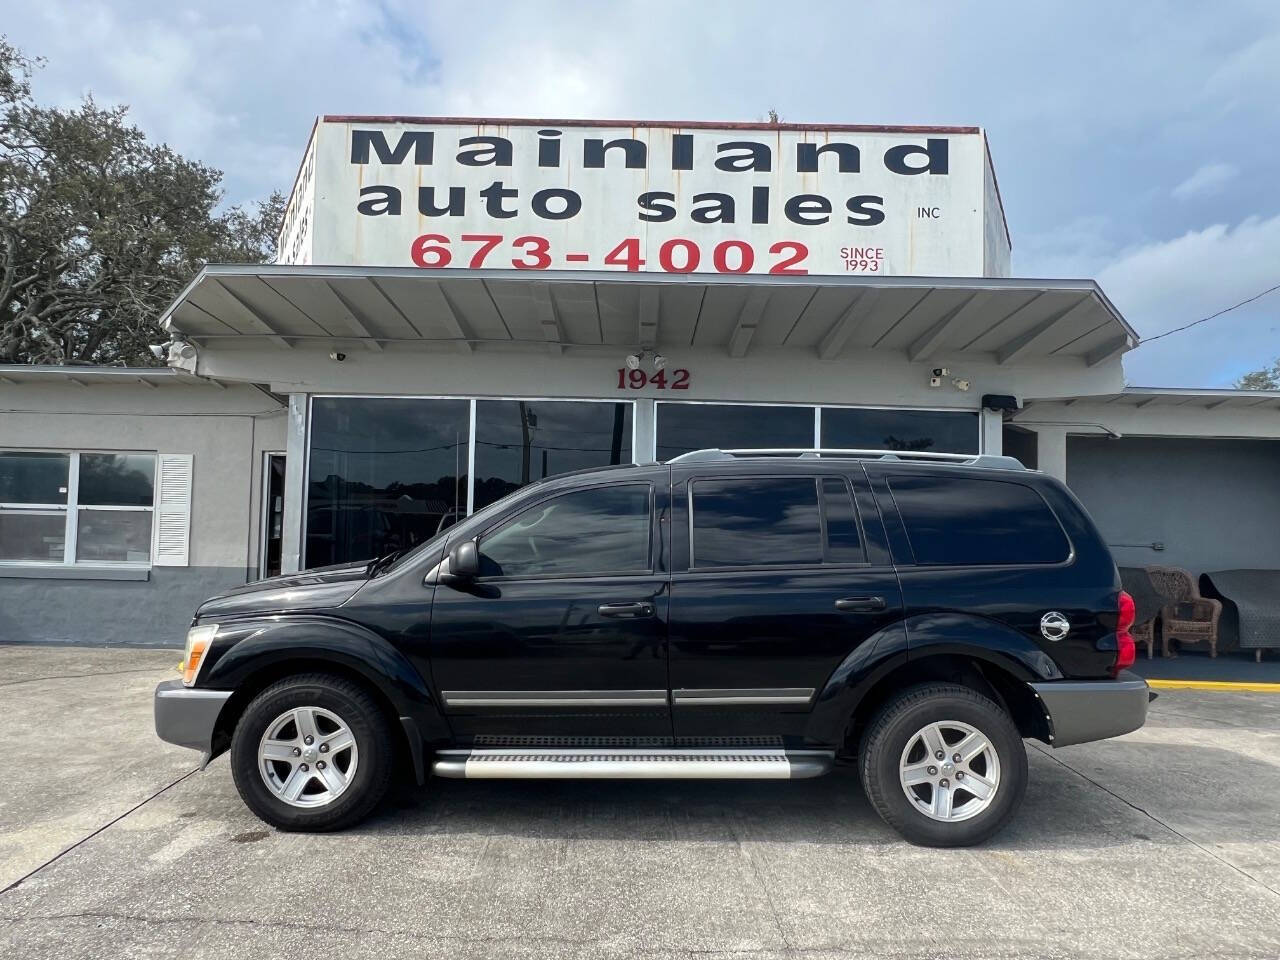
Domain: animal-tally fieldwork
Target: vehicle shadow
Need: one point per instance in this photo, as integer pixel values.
(1102, 805)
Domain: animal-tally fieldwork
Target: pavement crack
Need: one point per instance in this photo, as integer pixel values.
(1151, 816)
(80, 676)
(110, 823)
(409, 934)
(764, 886)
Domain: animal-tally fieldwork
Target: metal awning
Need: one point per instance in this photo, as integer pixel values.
(378, 308)
(1186, 397)
(83, 376)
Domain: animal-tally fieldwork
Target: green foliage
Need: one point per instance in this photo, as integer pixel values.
(1268, 378)
(100, 228)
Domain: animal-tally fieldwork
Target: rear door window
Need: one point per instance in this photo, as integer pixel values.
(756, 521)
(966, 522)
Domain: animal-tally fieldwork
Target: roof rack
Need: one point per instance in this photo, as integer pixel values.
(989, 461)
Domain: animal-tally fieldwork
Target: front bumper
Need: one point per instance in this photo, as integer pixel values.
(1084, 710)
(187, 715)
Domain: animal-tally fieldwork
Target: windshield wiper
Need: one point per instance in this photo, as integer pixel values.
(381, 563)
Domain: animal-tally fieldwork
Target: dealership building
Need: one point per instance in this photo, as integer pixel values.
(462, 307)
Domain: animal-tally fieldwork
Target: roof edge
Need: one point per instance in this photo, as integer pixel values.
(679, 124)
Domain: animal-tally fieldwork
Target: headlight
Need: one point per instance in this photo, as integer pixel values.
(198, 640)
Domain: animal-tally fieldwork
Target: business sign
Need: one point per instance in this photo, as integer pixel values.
(543, 195)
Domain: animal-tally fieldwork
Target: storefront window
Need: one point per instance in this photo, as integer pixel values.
(519, 441)
(383, 474)
(939, 431)
(694, 426)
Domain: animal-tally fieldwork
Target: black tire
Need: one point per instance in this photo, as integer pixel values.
(368, 725)
(898, 722)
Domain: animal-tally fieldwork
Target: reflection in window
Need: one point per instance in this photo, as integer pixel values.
(953, 522)
(33, 477)
(519, 441)
(941, 431)
(588, 532)
(695, 426)
(383, 474)
(117, 479)
(751, 522)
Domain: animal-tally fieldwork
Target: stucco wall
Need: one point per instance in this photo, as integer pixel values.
(224, 430)
(1214, 504)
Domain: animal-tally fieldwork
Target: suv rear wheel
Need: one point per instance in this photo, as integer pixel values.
(943, 765)
(312, 752)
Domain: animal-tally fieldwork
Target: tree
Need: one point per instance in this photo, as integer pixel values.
(1268, 378)
(100, 228)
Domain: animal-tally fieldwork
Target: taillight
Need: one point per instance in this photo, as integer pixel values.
(1126, 651)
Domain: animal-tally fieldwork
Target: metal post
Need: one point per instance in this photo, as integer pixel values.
(295, 476)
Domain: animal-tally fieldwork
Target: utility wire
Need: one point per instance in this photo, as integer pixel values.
(1188, 326)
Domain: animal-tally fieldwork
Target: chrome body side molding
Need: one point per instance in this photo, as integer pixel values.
(799, 696)
(554, 698)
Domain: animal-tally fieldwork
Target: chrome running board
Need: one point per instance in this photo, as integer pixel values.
(631, 764)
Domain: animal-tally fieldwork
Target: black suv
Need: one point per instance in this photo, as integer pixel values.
(745, 614)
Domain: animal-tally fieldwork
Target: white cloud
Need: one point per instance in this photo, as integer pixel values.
(1162, 285)
(1210, 179)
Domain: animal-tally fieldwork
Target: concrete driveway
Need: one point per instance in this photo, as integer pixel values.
(1165, 843)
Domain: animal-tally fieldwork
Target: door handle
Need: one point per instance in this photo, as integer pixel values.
(860, 604)
(626, 610)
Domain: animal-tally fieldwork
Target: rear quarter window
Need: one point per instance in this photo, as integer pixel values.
(966, 522)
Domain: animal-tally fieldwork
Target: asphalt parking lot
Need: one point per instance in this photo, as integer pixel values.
(1165, 843)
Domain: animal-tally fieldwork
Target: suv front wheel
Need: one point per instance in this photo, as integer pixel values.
(943, 765)
(312, 752)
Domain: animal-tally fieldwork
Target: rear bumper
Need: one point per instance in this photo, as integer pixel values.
(186, 715)
(1084, 710)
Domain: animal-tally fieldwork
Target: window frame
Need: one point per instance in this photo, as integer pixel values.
(649, 571)
(824, 564)
(70, 511)
(472, 399)
(817, 410)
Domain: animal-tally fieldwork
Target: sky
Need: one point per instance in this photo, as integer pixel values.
(1135, 143)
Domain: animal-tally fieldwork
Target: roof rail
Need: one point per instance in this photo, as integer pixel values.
(989, 461)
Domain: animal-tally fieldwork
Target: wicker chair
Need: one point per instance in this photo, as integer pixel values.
(1187, 616)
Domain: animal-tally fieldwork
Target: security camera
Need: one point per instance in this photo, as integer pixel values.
(659, 361)
(960, 383)
(633, 361)
(337, 356)
(940, 371)
(159, 350)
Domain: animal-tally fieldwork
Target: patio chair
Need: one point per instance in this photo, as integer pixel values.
(1147, 601)
(1186, 616)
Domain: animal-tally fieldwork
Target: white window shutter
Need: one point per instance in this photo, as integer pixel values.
(172, 529)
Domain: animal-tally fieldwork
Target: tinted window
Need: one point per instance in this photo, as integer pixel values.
(761, 520)
(596, 531)
(694, 426)
(117, 479)
(383, 474)
(844, 543)
(941, 431)
(33, 477)
(958, 522)
(519, 441)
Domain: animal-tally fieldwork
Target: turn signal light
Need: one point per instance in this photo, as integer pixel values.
(198, 640)
(1126, 650)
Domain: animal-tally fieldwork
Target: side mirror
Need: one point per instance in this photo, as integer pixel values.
(464, 563)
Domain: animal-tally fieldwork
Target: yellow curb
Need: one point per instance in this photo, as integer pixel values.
(1226, 685)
